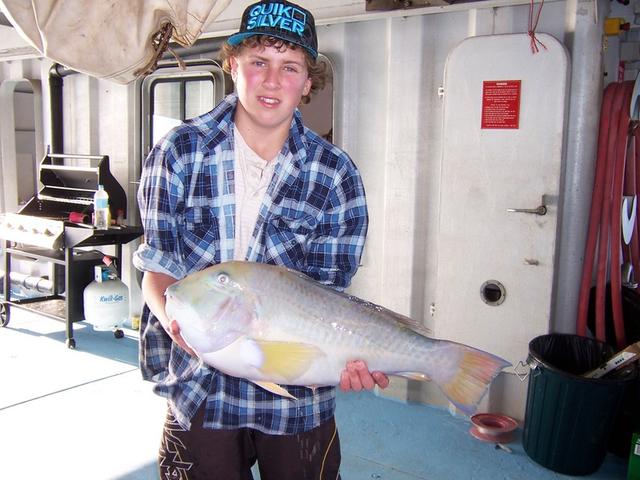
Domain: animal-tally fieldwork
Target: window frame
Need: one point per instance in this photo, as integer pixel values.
(171, 73)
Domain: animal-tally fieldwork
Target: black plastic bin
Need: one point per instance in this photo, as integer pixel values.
(569, 418)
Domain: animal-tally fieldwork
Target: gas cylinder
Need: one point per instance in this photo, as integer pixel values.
(106, 301)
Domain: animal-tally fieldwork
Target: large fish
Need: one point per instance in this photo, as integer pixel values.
(272, 325)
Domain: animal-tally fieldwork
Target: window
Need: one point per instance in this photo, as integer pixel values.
(21, 146)
(174, 100)
(170, 96)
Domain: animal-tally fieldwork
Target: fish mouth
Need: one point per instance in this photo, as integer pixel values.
(203, 335)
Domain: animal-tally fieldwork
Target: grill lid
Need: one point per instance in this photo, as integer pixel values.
(69, 183)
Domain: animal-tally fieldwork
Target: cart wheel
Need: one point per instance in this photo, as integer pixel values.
(4, 315)
(71, 343)
(118, 333)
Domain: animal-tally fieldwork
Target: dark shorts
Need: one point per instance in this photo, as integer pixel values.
(229, 454)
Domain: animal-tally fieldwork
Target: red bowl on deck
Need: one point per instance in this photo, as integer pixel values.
(493, 427)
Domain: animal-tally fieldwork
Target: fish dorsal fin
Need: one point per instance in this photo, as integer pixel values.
(402, 320)
(285, 361)
(299, 274)
(275, 389)
(407, 322)
(307, 278)
(413, 325)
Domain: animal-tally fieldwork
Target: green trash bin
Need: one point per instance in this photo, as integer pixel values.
(569, 418)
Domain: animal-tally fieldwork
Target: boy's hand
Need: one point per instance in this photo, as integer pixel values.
(356, 377)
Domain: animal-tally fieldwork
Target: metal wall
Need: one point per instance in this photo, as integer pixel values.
(389, 118)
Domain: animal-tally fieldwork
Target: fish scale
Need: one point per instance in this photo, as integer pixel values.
(376, 334)
(275, 326)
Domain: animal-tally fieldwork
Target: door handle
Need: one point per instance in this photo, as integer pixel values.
(541, 210)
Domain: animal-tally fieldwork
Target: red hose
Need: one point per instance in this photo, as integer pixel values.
(616, 216)
(616, 174)
(605, 217)
(596, 209)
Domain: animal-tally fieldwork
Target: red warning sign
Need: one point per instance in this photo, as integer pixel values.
(501, 104)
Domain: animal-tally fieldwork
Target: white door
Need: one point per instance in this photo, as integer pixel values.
(504, 122)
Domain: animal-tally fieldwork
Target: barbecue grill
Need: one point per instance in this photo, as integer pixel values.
(54, 226)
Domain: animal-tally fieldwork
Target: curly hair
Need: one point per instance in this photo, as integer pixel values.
(317, 70)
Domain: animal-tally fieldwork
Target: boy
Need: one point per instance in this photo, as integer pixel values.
(248, 181)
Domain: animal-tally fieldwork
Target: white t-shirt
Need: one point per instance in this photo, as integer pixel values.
(252, 177)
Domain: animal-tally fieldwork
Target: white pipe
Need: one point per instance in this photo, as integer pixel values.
(584, 39)
(8, 156)
(39, 284)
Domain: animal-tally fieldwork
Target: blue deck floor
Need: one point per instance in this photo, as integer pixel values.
(86, 414)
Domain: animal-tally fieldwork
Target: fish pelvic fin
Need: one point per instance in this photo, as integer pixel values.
(286, 360)
(476, 370)
(418, 376)
(275, 389)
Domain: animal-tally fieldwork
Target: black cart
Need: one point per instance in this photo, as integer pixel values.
(42, 231)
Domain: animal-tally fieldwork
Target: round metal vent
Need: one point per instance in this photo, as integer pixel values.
(493, 293)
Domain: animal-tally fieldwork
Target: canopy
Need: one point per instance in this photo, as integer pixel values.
(117, 40)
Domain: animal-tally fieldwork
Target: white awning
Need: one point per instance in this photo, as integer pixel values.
(117, 40)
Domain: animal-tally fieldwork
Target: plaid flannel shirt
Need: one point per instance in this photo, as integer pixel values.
(313, 219)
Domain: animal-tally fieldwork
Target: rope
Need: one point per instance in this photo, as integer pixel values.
(324, 458)
(532, 28)
(160, 43)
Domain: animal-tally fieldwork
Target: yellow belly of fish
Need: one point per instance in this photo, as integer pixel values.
(281, 362)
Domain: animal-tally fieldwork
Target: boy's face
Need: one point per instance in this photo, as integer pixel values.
(270, 84)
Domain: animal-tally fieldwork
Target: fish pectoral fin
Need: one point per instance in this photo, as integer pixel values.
(275, 389)
(421, 377)
(286, 360)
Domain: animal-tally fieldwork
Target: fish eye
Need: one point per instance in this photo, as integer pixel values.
(223, 278)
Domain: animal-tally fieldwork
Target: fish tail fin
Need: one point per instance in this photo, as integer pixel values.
(475, 370)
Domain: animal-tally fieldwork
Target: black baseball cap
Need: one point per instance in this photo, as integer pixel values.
(280, 19)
